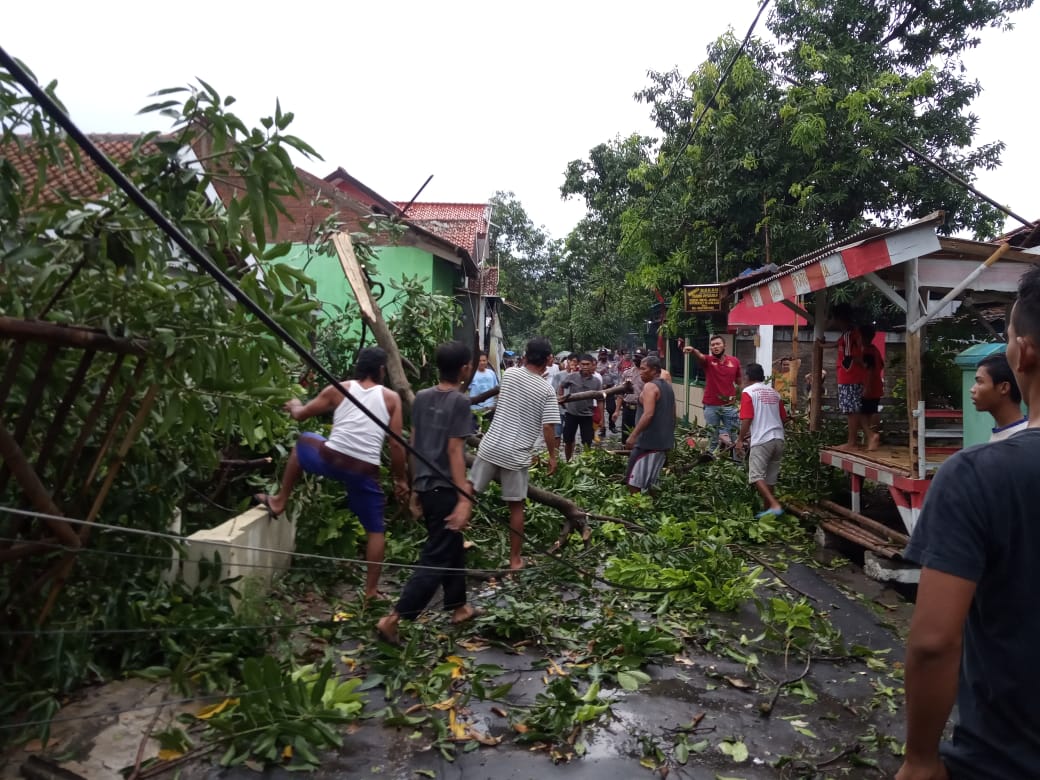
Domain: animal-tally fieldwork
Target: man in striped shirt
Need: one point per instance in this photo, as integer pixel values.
(526, 409)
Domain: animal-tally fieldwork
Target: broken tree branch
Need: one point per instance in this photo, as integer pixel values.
(766, 709)
(772, 571)
(588, 395)
(373, 317)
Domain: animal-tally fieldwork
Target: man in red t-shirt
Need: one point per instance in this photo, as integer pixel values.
(722, 377)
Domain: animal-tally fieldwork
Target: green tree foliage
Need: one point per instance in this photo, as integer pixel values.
(602, 311)
(802, 144)
(98, 262)
(528, 262)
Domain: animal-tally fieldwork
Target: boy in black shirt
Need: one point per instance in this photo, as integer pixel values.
(441, 421)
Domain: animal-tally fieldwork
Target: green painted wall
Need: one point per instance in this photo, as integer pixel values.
(397, 261)
(446, 277)
(393, 262)
(327, 273)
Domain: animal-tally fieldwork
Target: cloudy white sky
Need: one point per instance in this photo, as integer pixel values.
(482, 95)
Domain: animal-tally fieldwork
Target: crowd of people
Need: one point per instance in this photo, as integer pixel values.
(971, 638)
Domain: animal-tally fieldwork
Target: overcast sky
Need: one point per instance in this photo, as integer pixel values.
(483, 95)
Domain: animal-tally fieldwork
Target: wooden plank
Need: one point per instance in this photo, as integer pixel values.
(113, 426)
(58, 423)
(373, 317)
(37, 494)
(86, 428)
(819, 329)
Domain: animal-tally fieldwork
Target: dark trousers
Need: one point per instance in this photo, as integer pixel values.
(572, 423)
(628, 420)
(443, 550)
(611, 407)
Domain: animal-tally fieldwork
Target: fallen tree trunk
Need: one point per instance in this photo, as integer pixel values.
(574, 517)
(586, 396)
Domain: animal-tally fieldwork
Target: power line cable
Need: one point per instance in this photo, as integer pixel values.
(230, 545)
(708, 106)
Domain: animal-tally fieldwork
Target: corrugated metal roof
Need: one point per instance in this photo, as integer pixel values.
(869, 234)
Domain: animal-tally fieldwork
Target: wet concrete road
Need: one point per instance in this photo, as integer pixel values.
(846, 709)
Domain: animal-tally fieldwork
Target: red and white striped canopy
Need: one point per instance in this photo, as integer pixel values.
(846, 262)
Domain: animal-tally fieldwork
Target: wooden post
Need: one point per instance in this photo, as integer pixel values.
(819, 329)
(913, 356)
(35, 491)
(793, 374)
(373, 317)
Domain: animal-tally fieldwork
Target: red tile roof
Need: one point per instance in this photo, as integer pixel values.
(461, 223)
(82, 180)
(314, 202)
(465, 225)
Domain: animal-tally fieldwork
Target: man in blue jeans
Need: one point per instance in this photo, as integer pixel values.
(722, 380)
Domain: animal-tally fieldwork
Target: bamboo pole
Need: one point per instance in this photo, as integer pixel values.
(872, 525)
(64, 336)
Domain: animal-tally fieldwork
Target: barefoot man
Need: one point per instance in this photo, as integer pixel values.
(351, 453)
(526, 409)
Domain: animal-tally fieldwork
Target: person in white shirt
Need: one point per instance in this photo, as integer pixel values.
(351, 454)
(762, 418)
(996, 391)
(526, 409)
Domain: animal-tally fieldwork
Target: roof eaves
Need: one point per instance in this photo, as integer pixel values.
(869, 234)
(388, 205)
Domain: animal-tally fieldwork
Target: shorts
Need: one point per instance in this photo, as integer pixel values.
(850, 399)
(365, 498)
(869, 406)
(513, 481)
(764, 461)
(644, 468)
(571, 424)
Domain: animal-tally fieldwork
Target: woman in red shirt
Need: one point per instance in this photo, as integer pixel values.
(851, 373)
(873, 386)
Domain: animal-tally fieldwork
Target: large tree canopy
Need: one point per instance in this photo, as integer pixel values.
(801, 146)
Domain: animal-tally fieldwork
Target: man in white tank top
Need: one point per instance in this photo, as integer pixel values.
(351, 454)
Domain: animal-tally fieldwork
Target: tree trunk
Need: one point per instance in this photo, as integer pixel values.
(586, 396)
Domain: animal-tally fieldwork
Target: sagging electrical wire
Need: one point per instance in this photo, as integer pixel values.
(709, 105)
(181, 540)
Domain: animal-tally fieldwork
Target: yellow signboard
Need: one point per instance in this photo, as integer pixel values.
(703, 298)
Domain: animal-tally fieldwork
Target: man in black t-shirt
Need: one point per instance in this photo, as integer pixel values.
(441, 421)
(976, 627)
